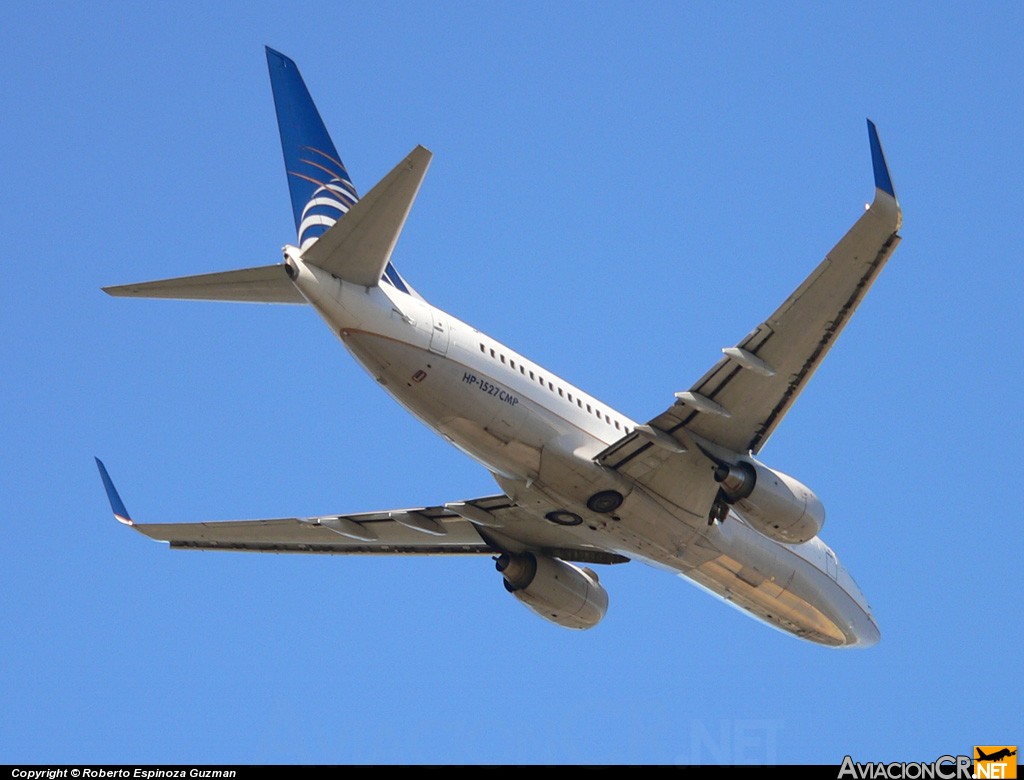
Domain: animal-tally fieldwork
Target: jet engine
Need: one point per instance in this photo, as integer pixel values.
(780, 507)
(557, 591)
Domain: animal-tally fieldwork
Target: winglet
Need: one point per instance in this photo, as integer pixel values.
(116, 504)
(883, 181)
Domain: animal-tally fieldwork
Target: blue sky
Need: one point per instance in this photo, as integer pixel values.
(617, 191)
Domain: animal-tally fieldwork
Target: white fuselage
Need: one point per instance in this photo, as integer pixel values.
(538, 435)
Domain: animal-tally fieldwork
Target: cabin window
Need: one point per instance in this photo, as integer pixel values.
(560, 393)
(502, 358)
(522, 369)
(551, 386)
(483, 348)
(511, 362)
(531, 375)
(617, 426)
(589, 410)
(579, 403)
(492, 353)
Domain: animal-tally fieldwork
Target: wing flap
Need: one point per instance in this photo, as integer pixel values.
(263, 284)
(681, 476)
(315, 535)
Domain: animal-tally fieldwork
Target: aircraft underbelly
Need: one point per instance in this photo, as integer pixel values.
(490, 422)
(770, 581)
(520, 442)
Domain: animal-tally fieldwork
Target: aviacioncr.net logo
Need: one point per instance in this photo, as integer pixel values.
(995, 761)
(942, 768)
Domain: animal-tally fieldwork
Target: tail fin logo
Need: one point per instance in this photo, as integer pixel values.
(319, 185)
(330, 201)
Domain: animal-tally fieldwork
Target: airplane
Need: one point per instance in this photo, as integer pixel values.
(997, 756)
(581, 483)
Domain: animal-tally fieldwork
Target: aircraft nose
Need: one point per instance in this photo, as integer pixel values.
(861, 628)
(875, 635)
(868, 633)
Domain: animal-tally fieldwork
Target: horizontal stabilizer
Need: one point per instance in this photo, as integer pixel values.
(358, 247)
(265, 284)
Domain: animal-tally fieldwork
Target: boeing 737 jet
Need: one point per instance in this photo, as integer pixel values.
(580, 483)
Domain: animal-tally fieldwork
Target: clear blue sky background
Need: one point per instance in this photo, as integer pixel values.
(618, 191)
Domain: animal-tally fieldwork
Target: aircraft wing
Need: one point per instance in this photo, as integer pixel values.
(739, 402)
(433, 530)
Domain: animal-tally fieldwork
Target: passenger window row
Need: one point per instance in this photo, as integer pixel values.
(562, 393)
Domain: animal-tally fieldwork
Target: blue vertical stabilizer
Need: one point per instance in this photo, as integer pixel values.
(318, 182)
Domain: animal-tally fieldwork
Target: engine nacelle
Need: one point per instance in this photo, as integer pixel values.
(780, 507)
(557, 591)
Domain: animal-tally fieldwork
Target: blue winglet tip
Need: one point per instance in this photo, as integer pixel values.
(275, 53)
(883, 180)
(116, 504)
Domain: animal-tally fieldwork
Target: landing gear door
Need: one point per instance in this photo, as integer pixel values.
(440, 333)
